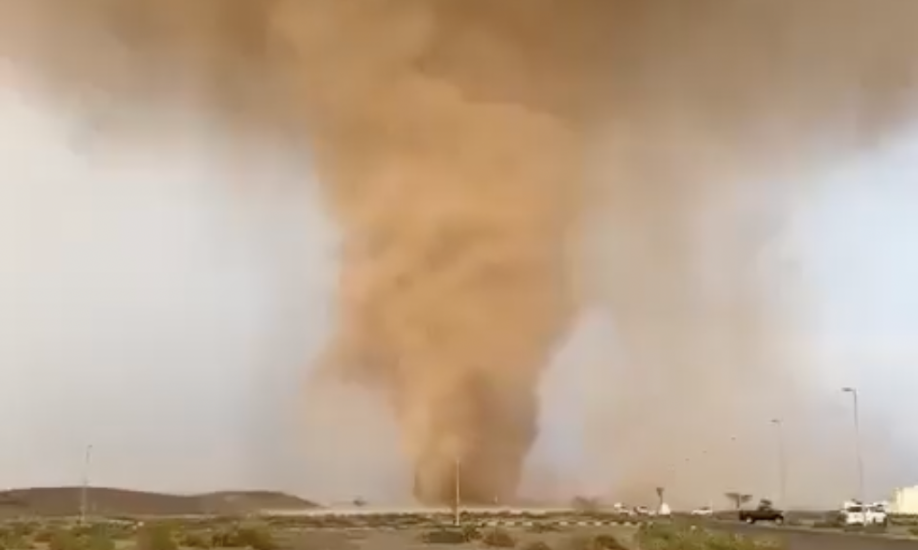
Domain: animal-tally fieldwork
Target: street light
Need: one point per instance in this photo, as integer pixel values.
(84, 490)
(735, 463)
(857, 442)
(457, 515)
(782, 461)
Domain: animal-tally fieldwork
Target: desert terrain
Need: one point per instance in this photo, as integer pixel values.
(114, 519)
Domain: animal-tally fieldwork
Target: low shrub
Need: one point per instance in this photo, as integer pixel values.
(536, 545)
(21, 530)
(43, 535)
(445, 536)
(98, 540)
(607, 542)
(223, 537)
(157, 536)
(498, 538)
(65, 539)
(11, 537)
(597, 542)
(194, 539)
(256, 537)
(658, 537)
(471, 532)
(542, 527)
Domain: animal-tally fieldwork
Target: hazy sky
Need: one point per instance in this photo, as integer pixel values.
(164, 307)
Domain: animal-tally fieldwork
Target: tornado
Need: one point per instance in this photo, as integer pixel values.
(454, 285)
(456, 170)
(460, 148)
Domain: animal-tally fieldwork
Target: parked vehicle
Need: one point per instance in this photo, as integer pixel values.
(703, 511)
(854, 513)
(876, 514)
(764, 512)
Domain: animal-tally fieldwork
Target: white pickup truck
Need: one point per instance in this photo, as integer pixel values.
(877, 514)
(855, 513)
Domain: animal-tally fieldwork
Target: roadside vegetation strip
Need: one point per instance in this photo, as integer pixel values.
(833, 530)
(668, 537)
(257, 534)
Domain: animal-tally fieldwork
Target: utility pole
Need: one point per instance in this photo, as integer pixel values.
(735, 465)
(857, 442)
(782, 461)
(457, 497)
(84, 489)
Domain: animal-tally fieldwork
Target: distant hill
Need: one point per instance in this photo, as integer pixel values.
(243, 501)
(65, 501)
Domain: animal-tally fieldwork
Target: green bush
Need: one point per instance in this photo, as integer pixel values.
(98, 540)
(498, 538)
(223, 537)
(913, 531)
(256, 537)
(156, 536)
(99, 536)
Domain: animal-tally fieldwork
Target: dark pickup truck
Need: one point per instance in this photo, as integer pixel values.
(762, 513)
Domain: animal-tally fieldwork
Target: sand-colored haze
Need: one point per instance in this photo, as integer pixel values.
(452, 140)
(457, 213)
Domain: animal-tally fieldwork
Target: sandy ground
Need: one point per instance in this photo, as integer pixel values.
(410, 539)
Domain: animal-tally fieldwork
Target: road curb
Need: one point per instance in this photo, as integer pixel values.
(527, 523)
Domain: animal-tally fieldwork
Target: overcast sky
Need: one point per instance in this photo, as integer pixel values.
(164, 308)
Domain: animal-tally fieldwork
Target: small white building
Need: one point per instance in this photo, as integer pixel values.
(905, 501)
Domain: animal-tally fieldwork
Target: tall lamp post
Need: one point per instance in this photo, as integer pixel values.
(782, 461)
(457, 495)
(857, 441)
(84, 489)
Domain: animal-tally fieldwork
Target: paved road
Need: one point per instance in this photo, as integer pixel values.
(823, 540)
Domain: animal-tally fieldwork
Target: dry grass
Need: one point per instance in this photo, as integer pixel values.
(670, 537)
